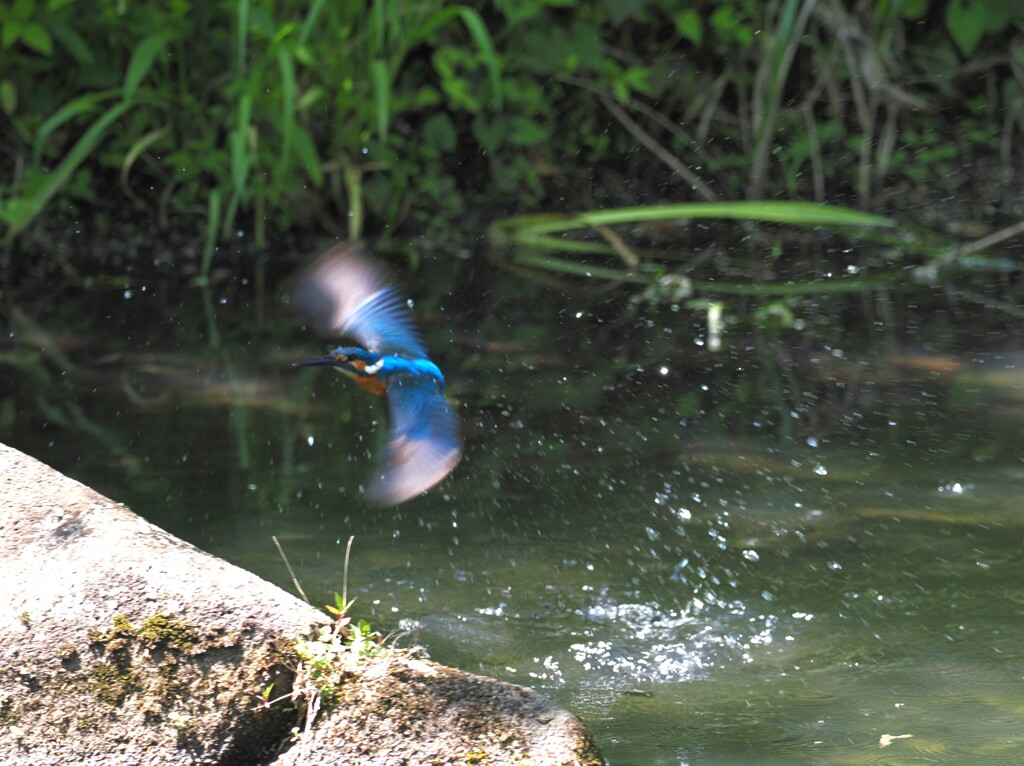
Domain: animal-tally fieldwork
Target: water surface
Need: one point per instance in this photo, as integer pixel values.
(849, 594)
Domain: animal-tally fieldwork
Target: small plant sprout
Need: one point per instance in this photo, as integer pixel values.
(333, 657)
(330, 659)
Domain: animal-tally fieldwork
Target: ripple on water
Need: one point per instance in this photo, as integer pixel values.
(640, 643)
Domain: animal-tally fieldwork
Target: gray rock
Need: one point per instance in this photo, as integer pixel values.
(408, 711)
(120, 644)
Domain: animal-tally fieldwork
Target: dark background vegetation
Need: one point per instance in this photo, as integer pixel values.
(219, 143)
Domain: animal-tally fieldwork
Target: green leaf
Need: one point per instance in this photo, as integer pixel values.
(914, 10)
(241, 34)
(620, 10)
(213, 208)
(71, 41)
(141, 61)
(966, 21)
(689, 26)
(136, 150)
(37, 38)
(286, 65)
(8, 97)
(74, 108)
(439, 132)
(796, 213)
(310, 21)
(527, 132)
(11, 33)
(518, 11)
(23, 9)
(31, 206)
(310, 98)
(584, 46)
(490, 133)
(381, 95)
(482, 38)
(306, 151)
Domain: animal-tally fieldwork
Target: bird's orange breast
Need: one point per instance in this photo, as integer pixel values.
(373, 384)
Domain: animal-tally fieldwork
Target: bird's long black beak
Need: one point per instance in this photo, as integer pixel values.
(317, 361)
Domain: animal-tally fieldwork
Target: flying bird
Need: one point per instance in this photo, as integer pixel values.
(346, 293)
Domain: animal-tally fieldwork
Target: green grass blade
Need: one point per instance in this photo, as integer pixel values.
(136, 150)
(212, 225)
(238, 140)
(482, 38)
(72, 109)
(19, 215)
(141, 62)
(796, 213)
(72, 42)
(309, 23)
(286, 65)
(381, 95)
(308, 157)
(378, 25)
(242, 35)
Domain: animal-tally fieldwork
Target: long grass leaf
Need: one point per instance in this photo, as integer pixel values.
(306, 151)
(72, 42)
(286, 65)
(381, 95)
(421, 33)
(378, 25)
(478, 31)
(212, 225)
(768, 211)
(72, 109)
(238, 142)
(309, 23)
(136, 150)
(241, 35)
(33, 204)
(141, 62)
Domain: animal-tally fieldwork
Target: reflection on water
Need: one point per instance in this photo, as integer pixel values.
(696, 601)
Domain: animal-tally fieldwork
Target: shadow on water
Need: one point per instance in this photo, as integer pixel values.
(697, 598)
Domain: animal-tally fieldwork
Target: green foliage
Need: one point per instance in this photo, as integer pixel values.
(968, 21)
(234, 115)
(241, 108)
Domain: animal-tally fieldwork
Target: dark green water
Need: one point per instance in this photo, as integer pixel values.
(695, 598)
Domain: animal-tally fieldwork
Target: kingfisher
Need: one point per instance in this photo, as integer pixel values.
(345, 292)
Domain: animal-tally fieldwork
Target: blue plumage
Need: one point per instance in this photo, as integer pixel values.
(345, 293)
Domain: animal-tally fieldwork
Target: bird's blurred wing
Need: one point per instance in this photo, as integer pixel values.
(344, 292)
(423, 445)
